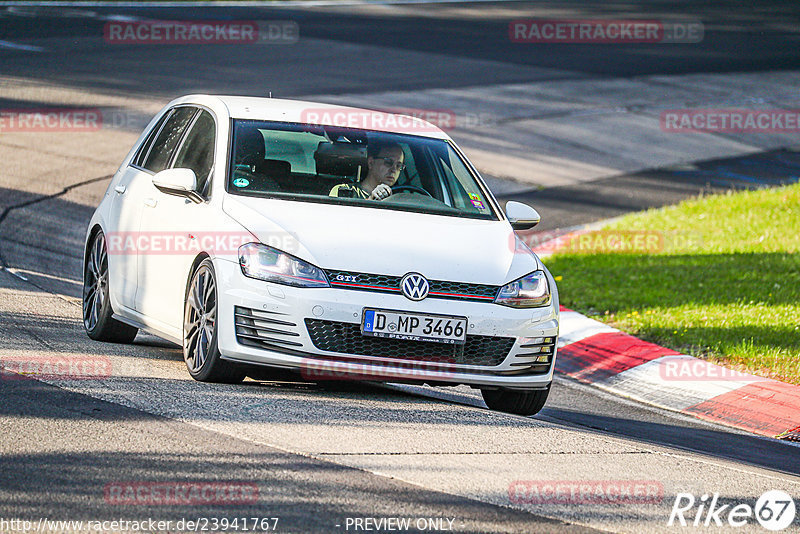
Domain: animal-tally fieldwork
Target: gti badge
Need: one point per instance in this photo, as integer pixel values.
(414, 286)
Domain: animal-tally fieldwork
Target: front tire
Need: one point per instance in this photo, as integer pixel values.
(516, 402)
(200, 343)
(97, 312)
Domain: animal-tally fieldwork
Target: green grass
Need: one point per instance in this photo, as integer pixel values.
(724, 287)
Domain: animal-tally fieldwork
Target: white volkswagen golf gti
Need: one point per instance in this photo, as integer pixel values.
(338, 242)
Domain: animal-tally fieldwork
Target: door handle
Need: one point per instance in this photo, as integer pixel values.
(120, 189)
(150, 202)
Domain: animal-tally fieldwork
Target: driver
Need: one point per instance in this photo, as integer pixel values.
(384, 164)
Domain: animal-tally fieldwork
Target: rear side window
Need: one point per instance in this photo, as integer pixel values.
(167, 140)
(141, 156)
(197, 151)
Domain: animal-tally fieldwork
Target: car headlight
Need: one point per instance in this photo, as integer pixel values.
(530, 291)
(270, 264)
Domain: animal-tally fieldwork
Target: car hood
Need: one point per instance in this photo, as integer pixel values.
(390, 242)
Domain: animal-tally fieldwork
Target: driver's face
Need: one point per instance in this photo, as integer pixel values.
(387, 165)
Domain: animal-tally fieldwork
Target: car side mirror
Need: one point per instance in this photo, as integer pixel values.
(178, 182)
(521, 216)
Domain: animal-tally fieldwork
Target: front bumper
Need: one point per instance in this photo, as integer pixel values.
(291, 345)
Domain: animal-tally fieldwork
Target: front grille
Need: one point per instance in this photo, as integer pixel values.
(391, 284)
(265, 329)
(346, 338)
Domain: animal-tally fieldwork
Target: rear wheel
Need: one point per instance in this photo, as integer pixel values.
(200, 347)
(516, 402)
(97, 312)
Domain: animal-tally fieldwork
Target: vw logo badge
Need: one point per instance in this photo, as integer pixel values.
(414, 286)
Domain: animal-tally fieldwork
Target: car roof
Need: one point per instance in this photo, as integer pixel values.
(299, 111)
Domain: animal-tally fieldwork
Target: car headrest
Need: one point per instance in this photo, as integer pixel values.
(341, 159)
(274, 168)
(249, 147)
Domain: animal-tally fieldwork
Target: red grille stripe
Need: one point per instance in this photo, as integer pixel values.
(396, 289)
(460, 295)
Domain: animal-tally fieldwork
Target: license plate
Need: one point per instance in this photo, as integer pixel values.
(414, 326)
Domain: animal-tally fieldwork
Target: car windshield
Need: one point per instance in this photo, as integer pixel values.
(332, 164)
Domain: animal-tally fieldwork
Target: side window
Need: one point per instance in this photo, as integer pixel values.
(460, 199)
(138, 160)
(197, 151)
(466, 194)
(167, 140)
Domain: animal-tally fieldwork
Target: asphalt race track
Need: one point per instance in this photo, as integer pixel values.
(321, 455)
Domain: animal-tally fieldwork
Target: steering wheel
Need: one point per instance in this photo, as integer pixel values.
(410, 189)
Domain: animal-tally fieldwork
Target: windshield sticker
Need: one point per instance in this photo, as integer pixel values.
(476, 201)
(241, 182)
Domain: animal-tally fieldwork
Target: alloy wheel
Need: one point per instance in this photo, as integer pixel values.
(95, 286)
(200, 318)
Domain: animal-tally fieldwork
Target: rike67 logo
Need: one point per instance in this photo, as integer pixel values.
(774, 510)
